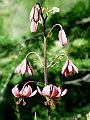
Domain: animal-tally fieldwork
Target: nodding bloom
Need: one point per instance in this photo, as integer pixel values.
(62, 37)
(52, 91)
(34, 18)
(24, 67)
(69, 67)
(25, 92)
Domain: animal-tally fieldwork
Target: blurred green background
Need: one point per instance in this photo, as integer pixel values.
(16, 41)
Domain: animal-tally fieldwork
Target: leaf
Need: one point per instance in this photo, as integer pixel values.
(35, 116)
(41, 84)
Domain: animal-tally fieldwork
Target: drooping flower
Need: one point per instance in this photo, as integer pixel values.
(52, 91)
(62, 37)
(24, 67)
(34, 18)
(23, 93)
(69, 67)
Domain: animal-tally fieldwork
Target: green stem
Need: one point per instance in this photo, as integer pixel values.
(44, 34)
(53, 28)
(36, 55)
(56, 59)
(49, 117)
(45, 59)
(17, 112)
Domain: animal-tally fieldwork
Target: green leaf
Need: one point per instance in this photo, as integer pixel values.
(35, 116)
(41, 84)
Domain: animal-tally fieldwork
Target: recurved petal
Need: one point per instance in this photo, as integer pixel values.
(39, 90)
(64, 92)
(59, 92)
(33, 93)
(75, 68)
(55, 91)
(15, 91)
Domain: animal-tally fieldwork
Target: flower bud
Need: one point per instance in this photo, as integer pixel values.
(55, 10)
(24, 67)
(62, 37)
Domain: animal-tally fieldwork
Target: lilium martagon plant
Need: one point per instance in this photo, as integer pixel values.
(50, 92)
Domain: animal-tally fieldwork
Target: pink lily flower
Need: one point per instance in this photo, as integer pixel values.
(24, 67)
(25, 92)
(62, 37)
(52, 91)
(69, 67)
(34, 18)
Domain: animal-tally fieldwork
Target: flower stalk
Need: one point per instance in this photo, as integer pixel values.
(53, 28)
(36, 55)
(49, 117)
(44, 35)
(51, 64)
(45, 60)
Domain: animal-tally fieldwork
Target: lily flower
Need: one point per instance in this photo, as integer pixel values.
(25, 92)
(62, 37)
(69, 67)
(52, 91)
(24, 67)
